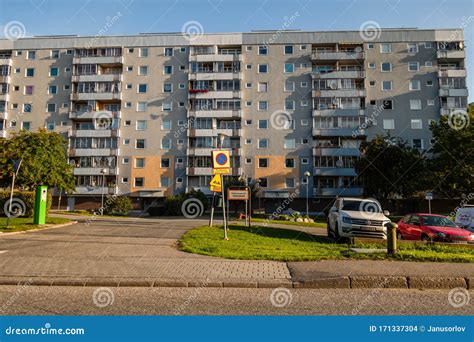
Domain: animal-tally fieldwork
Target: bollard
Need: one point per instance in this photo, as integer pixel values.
(391, 238)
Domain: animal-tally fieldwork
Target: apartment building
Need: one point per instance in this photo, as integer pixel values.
(143, 113)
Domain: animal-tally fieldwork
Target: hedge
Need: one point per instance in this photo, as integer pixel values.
(25, 199)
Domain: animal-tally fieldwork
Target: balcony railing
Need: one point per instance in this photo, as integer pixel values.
(338, 55)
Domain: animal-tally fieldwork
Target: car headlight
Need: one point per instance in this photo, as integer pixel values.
(441, 235)
(346, 219)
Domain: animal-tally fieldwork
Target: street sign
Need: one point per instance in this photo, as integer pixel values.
(216, 181)
(238, 195)
(221, 171)
(429, 196)
(220, 159)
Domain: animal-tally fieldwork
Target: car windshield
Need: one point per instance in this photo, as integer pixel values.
(367, 206)
(438, 221)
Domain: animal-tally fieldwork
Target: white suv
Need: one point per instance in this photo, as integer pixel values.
(351, 217)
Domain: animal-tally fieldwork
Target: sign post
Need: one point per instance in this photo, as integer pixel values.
(41, 201)
(221, 167)
(429, 197)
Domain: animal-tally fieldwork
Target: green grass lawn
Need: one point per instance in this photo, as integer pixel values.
(26, 223)
(265, 243)
(290, 223)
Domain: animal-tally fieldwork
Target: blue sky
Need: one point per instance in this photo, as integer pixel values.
(87, 17)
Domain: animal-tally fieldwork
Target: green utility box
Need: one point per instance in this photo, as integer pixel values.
(41, 201)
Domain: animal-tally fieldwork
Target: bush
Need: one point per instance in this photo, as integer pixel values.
(173, 203)
(117, 205)
(24, 200)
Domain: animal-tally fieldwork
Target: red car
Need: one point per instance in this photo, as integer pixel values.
(429, 227)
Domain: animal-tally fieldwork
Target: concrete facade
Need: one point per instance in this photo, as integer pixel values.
(142, 113)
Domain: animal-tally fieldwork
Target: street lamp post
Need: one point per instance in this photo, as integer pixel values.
(103, 172)
(307, 174)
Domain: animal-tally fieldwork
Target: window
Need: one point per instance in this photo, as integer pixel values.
(262, 143)
(142, 88)
(125, 160)
(67, 69)
(124, 179)
(415, 104)
(53, 72)
(304, 84)
(143, 70)
(139, 163)
(262, 87)
(289, 68)
(168, 51)
(182, 86)
(166, 144)
(180, 142)
(167, 88)
(141, 125)
(304, 181)
(31, 55)
(51, 108)
(164, 182)
(248, 141)
(289, 143)
(50, 126)
(304, 122)
(26, 125)
(288, 49)
(52, 89)
(67, 87)
(414, 85)
(166, 125)
(140, 143)
(387, 104)
(430, 102)
(388, 124)
(289, 105)
(248, 66)
(248, 103)
(263, 50)
(289, 162)
(416, 124)
(30, 72)
(248, 160)
(167, 106)
(427, 45)
(143, 52)
(54, 54)
(27, 107)
(262, 124)
(129, 68)
(127, 123)
(412, 47)
(165, 163)
(304, 161)
(304, 103)
(385, 48)
(387, 85)
(289, 182)
(429, 83)
(303, 65)
(371, 83)
(386, 67)
(182, 49)
(289, 86)
(263, 68)
(371, 65)
(417, 143)
(168, 69)
(128, 86)
(302, 47)
(370, 46)
(263, 162)
(413, 66)
(179, 160)
(142, 106)
(262, 105)
(126, 141)
(248, 85)
(428, 64)
(263, 182)
(139, 182)
(179, 180)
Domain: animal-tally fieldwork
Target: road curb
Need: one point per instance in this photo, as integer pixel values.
(352, 282)
(40, 229)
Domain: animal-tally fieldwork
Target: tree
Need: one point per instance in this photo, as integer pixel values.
(391, 168)
(44, 160)
(453, 154)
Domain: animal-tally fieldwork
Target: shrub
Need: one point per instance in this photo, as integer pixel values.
(117, 205)
(173, 203)
(24, 199)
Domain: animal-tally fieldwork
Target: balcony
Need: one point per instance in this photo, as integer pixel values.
(451, 54)
(214, 75)
(204, 189)
(93, 152)
(334, 171)
(340, 93)
(335, 151)
(211, 94)
(95, 96)
(93, 133)
(452, 92)
(3, 115)
(86, 115)
(6, 61)
(85, 171)
(338, 55)
(193, 132)
(339, 132)
(97, 78)
(207, 151)
(217, 113)
(452, 73)
(447, 111)
(339, 112)
(199, 171)
(333, 192)
(5, 78)
(3, 134)
(339, 74)
(94, 190)
(214, 57)
(98, 60)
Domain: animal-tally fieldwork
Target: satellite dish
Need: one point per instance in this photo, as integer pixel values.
(339, 163)
(358, 49)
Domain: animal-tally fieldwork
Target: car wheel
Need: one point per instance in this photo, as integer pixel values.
(330, 234)
(425, 238)
(336, 237)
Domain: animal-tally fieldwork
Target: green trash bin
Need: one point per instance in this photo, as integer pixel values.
(41, 201)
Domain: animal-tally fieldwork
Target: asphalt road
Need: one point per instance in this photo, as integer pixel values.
(44, 300)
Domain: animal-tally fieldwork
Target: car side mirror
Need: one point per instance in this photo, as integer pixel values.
(386, 212)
